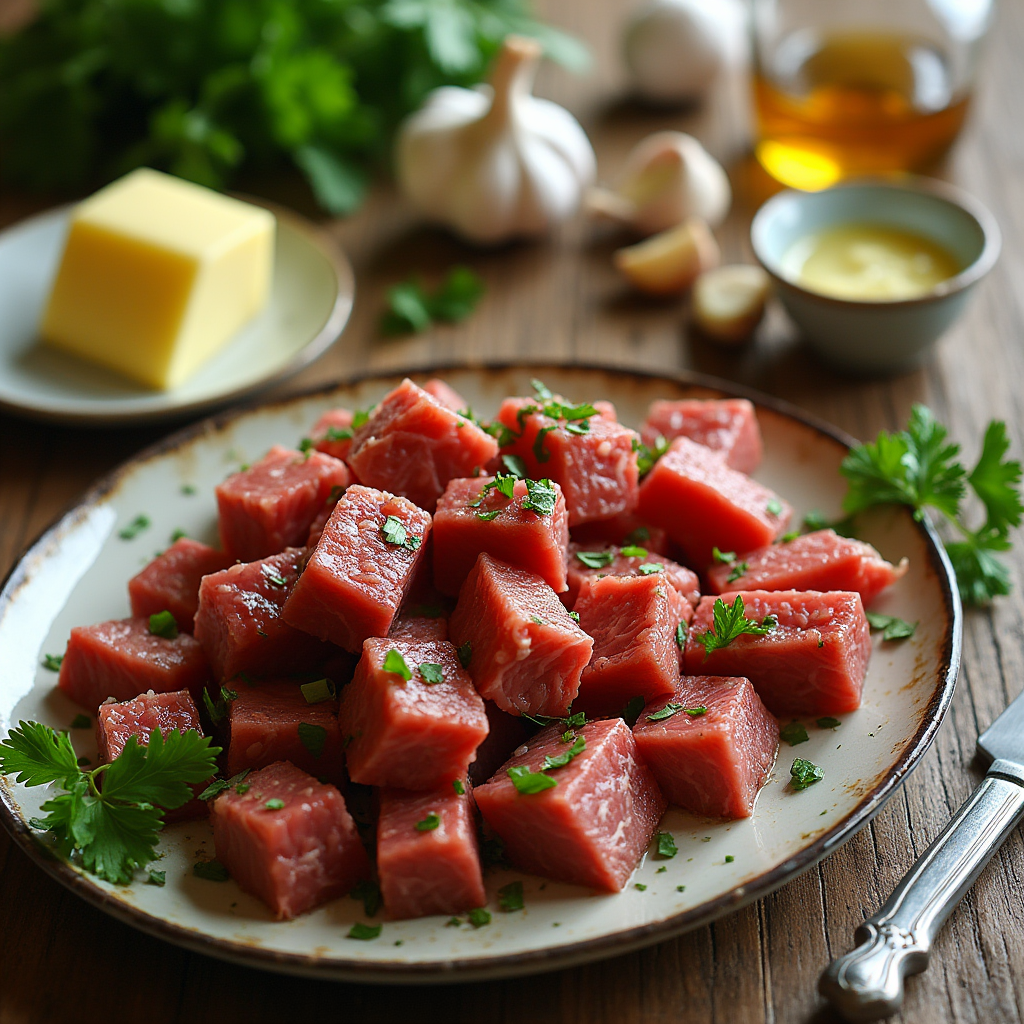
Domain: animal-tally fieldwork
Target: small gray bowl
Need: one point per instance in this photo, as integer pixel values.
(871, 336)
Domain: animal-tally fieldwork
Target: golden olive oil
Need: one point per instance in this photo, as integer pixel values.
(853, 104)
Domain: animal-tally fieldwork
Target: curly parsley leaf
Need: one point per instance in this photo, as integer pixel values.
(541, 497)
(804, 773)
(892, 628)
(648, 455)
(413, 309)
(596, 559)
(394, 532)
(38, 756)
(730, 623)
(527, 782)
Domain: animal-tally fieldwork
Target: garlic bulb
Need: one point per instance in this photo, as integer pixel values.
(674, 49)
(495, 163)
(668, 177)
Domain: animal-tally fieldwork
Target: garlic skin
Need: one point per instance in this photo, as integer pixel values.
(675, 49)
(668, 177)
(495, 163)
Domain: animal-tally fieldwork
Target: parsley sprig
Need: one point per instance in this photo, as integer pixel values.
(112, 830)
(730, 623)
(412, 309)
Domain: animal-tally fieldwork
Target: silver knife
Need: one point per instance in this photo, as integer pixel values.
(867, 983)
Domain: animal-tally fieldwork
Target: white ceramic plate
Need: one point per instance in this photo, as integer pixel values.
(77, 571)
(310, 301)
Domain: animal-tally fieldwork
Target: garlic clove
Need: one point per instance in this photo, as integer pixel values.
(668, 263)
(495, 162)
(728, 302)
(668, 177)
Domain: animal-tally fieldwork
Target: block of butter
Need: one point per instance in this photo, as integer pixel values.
(157, 275)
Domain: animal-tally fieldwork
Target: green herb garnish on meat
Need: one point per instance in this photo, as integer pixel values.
(774, 507)
(510, 897)
(633, 551)
(429, 823)
(515, 466)
(681, 636)
(527, 783)
(631, 712)
(729, 623)
(541, 497)
(274, 804)
(162, 624)
(650, 568)
(738, 570)
(561, 760)
(794, 733)
(465, 653)
(431, 672)
(318, 691)
(892, 628)
(667, 845)
(394, 532)
(52, 662)
(394, 662)
(312, 737)
(648, 455)
(458, 786)
(804, 773)
(596, 559)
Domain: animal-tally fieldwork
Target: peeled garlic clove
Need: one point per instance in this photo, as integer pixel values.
(674, 49)
(670, 262)
(668, 177)
(495, 163)
(728, 302)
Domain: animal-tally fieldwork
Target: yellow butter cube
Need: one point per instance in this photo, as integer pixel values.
(157, 275)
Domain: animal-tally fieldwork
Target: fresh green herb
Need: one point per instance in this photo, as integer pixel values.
(575, 616)
(804, 774)
(361, 417)
(681, 636)
(431, 672)
(275, 580)
(829, 723)
(134, 528)
(503, 483)
(429, 823)
(489, 517)
(729, 858)
(540, 453)
(527, 783)
(413, 309)
(774, 507)
(789, 537)
(458, 786)
(515, 466)
(667, 711)
(737, 571)
(723, 557)
(729, 624)
(370, 896)
(640, 886)
(575, 721)
(537, 620)
(318, 691)
(794, 733)
(274, 804)
(892, 628)
(541, 497)
(667, 845)
(453, 922)
(632, 551)
(695, 712)
(479, 917)
(641, 535)
(211, 870)
(156, 877)
(84, 762)
(313, 738)
(596, 559)
(540, 390)
(918, 467)
(680, 888)
(649, 568)
(510, 897)
(81, 722)
(306, 446)
(561, 760)
(218, 709)
(188, 490)
(394, 662)
(492, 852)
(52, 662)
(465, 652)
(394, 532)
(218, 786)
(364, 932)
(162, 624)
(631, 712)
(339, 434)
(177, 535)
(648, 455)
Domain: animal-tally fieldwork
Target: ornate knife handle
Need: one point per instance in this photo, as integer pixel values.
(867, 983)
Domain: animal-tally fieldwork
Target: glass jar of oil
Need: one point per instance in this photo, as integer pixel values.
(847, 88)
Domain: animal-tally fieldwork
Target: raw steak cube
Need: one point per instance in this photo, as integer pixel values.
(622, 528)
(122, 659)
(728, 427)
(239, 620)
(428, 870)
(812, 663)
(273, 721)
(410, 734)
(593, 827)
(295, 857)
(816, 561)
(332, 433)
(413, 445)
(634, 622)
(525, 652)
(356, 578)
(165, 712)
(419, 627)
(446, 395)
(597, 469)
(580, 574)
(505, 733)
(171, 581)
(270, 506)
(517, 535)
(703, 504)
(711, 763)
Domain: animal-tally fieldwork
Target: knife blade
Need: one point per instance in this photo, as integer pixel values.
(867, 983)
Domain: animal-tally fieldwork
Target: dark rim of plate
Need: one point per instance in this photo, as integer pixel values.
(550, 957)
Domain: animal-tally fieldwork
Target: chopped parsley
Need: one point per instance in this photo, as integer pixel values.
(541, 497)
(429, 823)
(527, 783)
(218, 786)
(648, 455)
(891, 627)
(479, 917)
(489, 517)
(338, 434)
(729, 858)
(575, 616)
(540, 453)
(649, 568)
(723, 557)
(413, 309)
(596, 559)
(794, 733)
(318, 691)
(177, 535)
(631, 712)
(135, 527)
(81, 722)
(361, 416)
(667, 711)
(465, 652)
(804, 773)
(313, 738)
(306, 446)
(787, 538)
(515, 465)
(394, 532)
(188, 490)
(641, 535)
(364, 932)
(431, 672)
(274, 804)
(681, 636)
(729, 623)
(829, 723)
(667, 845)
(561, 760)
(510, 897)
(738, 570)
(211, 870)
(394, 662)
(275, 580)
(370, 896)
(633, 551)
(163, 624)
(52, 662)
(459, 787)
(774, 507)
(156, 878)
(640, 886)
(218, 709)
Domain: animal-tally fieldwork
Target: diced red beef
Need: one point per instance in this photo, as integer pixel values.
(816, 561)
(427, 868)
(171, 581)
(164, 712)
(410, 734)
(294, 857)
(711, 762)
(419, 628)
(239, 620)
(580, 574)
(592, 827)
(122, 659)
(517, 534)
(413, 445)
(812, 662)
(505, 733)
(273, 721)
(728, 426)
(622, 528)
(271, 505)
(703, 504)
(446, 395)
(634, 621)
(596, 469)
(332, 433)
(355, 579)
(525, 652)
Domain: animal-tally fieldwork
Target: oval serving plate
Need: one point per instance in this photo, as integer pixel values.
(77, 573)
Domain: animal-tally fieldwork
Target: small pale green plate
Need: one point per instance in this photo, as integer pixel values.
(310, 301)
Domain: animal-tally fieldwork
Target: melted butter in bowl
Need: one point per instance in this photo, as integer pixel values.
(873, 262)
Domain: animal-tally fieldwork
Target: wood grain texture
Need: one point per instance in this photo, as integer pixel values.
(60, 960)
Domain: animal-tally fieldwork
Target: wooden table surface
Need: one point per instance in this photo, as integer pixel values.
(61, 960)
